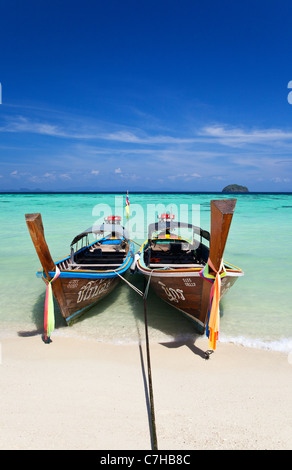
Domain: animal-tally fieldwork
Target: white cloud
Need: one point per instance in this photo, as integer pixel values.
(130, 137)
(23, 124)
(204, 152)
(278, 179)
(188, 176)
(234, 136)
(35, 179)
(89, 130)
(219, 178)
(65, 176)
(49, 175)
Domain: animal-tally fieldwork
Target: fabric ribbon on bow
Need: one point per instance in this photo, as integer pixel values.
(213, 323)
(127, 205)
(49, 317)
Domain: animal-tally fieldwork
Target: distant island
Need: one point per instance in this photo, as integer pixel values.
(235, 188)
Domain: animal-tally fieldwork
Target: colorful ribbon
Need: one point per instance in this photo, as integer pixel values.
(213, 322)
(49, 317)
(127, 205)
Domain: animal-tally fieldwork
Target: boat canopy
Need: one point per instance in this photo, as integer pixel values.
(170, 225)
(99, 229)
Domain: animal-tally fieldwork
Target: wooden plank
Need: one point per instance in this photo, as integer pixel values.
(36, 230)
(221, 217)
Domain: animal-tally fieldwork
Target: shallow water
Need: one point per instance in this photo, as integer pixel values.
(256, 312)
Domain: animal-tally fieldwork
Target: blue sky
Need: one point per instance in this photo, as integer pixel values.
(145, 95)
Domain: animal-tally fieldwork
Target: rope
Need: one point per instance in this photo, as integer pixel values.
(136, 242)
(150, 387)
(143, 294)
(153, 424)
(131, 285)
(147, 286)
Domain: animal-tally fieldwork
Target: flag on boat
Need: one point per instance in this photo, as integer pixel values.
(127, 204)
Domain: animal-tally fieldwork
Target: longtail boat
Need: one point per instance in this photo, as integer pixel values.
(188, 274)
(91, 270)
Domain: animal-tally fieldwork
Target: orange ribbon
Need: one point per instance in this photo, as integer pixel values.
(214, 314)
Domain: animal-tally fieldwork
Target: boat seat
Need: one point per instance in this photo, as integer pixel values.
(176, 248)
(115, 262)
(95, 250)
(173, 259)
(89, 257)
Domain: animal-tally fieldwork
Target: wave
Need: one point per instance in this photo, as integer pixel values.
(283, 345)
(132, 335)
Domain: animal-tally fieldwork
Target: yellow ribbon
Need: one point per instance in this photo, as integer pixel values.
(49, 317)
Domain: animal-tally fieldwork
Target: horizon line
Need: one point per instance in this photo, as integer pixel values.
(140, 192)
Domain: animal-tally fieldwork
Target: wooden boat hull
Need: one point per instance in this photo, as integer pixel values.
(82, 294)
(174, 271)
(79, 286)
(83, 291)
(187, 291)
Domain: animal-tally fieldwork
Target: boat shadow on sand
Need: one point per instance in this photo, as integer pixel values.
(37, 317)
(60, 324)
(163, 320)
(166, 325)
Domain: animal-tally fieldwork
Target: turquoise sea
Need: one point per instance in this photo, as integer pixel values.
(257, 312)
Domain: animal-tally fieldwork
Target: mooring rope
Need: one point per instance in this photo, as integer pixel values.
(150, 386)
(147, 286)
(131, 285)
(151, 396)
(143, 294)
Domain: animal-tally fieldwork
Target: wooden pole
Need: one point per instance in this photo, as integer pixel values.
(36, 230)
(35, 226)
(221, 216)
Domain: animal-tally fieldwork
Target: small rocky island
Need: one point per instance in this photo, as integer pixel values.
(235, 188)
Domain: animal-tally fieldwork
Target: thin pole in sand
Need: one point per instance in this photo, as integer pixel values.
(153, 425)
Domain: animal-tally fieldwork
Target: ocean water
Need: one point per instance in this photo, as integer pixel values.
(256, 312)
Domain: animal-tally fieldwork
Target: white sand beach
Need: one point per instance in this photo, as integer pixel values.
(80, 394)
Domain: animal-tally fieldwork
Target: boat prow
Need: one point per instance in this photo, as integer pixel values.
(92, 269)
(176, 266)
